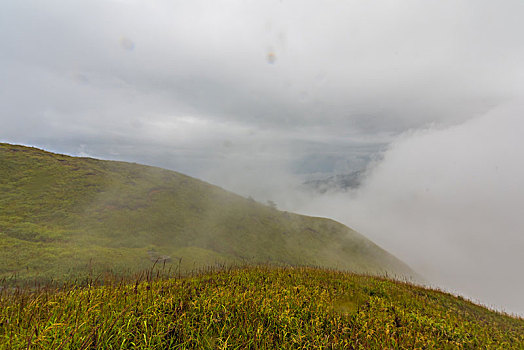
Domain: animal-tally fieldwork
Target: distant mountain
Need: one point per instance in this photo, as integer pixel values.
(335, 182)
(63, 216)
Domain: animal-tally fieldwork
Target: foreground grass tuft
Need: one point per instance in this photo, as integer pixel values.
(260, 307)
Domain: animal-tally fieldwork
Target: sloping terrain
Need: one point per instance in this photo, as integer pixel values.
(62, 217)
(253, 308)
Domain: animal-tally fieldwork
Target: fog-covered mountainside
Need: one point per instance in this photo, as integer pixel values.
(63, 216)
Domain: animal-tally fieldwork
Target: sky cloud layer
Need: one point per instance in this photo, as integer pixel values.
(256, 96)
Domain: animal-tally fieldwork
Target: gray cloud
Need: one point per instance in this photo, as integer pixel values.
(255, 96)
(364, 67)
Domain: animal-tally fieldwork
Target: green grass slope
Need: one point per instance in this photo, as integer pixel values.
(62, 216)
(253, 308)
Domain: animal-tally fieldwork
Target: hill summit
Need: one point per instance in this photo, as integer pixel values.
(63, 216)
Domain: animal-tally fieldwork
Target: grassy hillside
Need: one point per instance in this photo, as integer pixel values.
(257, 308)
(61, 217)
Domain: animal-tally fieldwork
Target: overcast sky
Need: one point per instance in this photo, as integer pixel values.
(257, 95)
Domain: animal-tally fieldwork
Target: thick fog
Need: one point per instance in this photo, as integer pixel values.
(258, 97)
(448, 201)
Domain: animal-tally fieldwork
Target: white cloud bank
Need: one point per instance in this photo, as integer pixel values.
(449, 202)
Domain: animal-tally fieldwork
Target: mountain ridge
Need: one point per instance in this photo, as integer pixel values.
(62, 215)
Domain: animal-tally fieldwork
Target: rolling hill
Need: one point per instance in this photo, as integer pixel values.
(62, 217)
